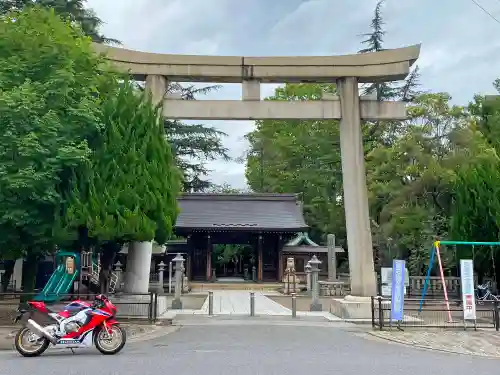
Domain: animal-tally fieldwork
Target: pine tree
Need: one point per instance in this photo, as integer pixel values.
(374, 42)
(409, 90)
(194, 144)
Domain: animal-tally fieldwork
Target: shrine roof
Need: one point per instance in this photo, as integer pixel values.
(302, 243)
(239, 212)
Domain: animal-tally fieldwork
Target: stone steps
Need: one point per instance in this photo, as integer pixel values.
(204, 287)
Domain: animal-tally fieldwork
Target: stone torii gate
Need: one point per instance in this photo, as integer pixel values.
(346, 71)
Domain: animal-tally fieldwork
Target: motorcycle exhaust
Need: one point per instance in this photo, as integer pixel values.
(40, 331)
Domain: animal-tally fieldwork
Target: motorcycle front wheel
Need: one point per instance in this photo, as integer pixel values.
(28, 344)
(110, 343)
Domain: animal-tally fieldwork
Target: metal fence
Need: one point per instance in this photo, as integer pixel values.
(129, 306)
(434, 314)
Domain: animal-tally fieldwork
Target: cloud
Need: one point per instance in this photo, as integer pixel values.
(459, 50)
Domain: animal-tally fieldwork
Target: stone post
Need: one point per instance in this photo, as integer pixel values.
(254, 274)
(17, 276)
(138, 267)
(183, 275)
(170, 269)
(359, 239)
(315, 304)
(161, 270)
(176, 302)
(157, 85)
(118, 273)
(308, 276)
(332, 258)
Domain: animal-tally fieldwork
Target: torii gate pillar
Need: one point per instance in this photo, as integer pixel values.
(361, 266)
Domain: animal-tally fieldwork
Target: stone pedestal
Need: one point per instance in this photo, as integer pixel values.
(290, 279)
(138, 267)
(185, 285)
(332, 258)
(353, 307)
(179, 265)
(315, 304)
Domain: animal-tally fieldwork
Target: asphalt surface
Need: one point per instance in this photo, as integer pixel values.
(253, 349)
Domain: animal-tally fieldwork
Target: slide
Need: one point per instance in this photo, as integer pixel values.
(62, 279)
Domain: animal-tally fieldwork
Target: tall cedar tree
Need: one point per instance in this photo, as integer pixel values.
(72, 10)
(374, 42)
(407, 92)
(128, 193)
(50, 104)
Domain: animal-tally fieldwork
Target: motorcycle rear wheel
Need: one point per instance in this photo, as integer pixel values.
(101, 340)
(25, 352)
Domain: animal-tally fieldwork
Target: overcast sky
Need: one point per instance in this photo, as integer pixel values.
(459, 55)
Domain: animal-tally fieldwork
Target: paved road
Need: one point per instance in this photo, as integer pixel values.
(252, 350)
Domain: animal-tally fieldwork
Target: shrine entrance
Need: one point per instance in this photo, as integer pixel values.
(237, 236)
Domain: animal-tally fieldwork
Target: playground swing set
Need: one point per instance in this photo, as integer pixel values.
(435, 252)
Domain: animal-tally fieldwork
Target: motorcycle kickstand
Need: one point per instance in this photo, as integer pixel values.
(72, 351)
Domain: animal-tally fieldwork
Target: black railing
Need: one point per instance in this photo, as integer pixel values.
(129, 306)
(434, 314)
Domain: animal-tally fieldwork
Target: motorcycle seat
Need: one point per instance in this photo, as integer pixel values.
(51, 310)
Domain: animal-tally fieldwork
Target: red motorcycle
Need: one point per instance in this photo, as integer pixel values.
(78, 326)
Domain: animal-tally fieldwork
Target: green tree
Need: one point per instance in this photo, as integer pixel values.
(475, 209)
(413, 166)
(72, 10)
(194, 144)
(300, 157)
(50, 97)
(128, 192)
(374, 42)
(224, 188)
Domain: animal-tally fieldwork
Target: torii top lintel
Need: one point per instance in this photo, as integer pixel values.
(387, 65)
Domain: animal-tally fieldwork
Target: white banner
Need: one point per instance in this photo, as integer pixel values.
(468, 296)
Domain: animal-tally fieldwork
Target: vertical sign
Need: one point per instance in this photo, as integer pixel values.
(468, 297)
(398, 289)
(70, 265)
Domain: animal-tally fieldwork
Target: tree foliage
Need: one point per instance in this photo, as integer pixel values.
(195, 144)
(129, 190)
(50, 95)
(74, 11)
(434, 175)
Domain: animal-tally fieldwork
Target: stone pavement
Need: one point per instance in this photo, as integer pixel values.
(229, 302)
(484, 343)
(235, 302)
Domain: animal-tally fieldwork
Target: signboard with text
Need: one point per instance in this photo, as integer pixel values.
(468, 296)
(398, 289)
(386, 280)
(70, 266)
